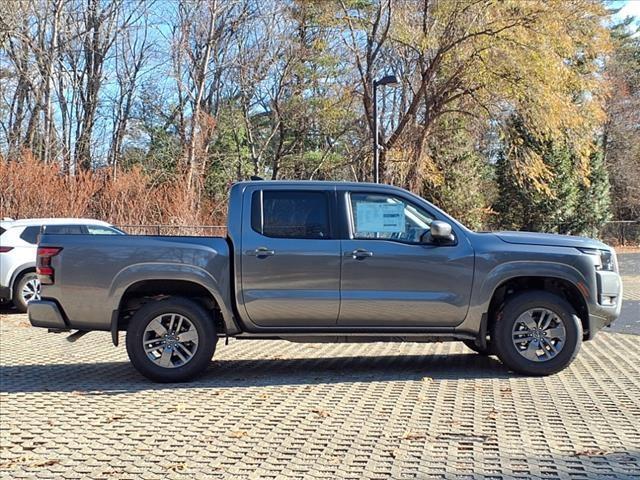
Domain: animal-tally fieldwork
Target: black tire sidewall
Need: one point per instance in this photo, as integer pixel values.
(201, 320)
(18, 301)
(513, 308)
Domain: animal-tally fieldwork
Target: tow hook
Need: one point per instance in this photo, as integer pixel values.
(76, 335)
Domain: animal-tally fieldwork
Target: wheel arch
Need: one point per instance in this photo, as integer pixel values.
(560, 286)
(168, 279)
(144, 291)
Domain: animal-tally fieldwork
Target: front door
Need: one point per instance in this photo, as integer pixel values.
(290, 259)
(390, 278)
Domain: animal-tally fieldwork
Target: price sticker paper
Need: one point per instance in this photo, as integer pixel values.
(372, 217)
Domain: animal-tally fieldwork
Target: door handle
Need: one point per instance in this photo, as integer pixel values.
(261, 252)
(361, 253)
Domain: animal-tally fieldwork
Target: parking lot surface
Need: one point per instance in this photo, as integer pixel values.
(282, 410)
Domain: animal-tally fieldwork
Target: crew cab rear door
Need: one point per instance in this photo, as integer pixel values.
(290, 261)
(389, 277)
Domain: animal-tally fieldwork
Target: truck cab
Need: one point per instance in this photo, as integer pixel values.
(347, 257)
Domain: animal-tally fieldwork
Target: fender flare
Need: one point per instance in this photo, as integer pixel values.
(140, 272)
(531, 268)
(484, 291)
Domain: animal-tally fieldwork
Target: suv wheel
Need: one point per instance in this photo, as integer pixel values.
(537, 333)
(27, 289)
(171, 340)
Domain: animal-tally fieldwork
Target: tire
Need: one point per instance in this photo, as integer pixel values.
(28, 282)
(165, 362)
(471, 344)
(534, 352)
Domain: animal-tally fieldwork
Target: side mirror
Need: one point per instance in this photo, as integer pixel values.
(440, 232)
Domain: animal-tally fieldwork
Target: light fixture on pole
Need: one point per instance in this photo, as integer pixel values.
(386, 80)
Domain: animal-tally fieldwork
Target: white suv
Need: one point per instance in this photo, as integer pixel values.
(18, 245)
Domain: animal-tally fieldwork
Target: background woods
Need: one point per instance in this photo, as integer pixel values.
(508, 114)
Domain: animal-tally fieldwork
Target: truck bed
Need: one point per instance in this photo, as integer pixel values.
(92, 273)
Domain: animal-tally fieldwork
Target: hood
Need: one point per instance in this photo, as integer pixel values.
(549, 239)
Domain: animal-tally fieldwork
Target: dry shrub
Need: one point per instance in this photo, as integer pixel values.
(31, 189)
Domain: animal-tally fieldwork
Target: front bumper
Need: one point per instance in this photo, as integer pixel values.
(46, 314)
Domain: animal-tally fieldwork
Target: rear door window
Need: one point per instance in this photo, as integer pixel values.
(291, 214)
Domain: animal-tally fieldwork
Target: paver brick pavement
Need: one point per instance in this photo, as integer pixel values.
(284, 410)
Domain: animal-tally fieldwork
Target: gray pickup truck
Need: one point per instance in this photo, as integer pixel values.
(330, 262)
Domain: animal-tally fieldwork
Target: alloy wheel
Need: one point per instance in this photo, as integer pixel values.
(31, 290)
(170, 340)
(539, 334)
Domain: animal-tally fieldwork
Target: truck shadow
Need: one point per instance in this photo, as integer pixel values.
(112, 378)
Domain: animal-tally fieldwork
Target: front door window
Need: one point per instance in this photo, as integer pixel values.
(387, 217)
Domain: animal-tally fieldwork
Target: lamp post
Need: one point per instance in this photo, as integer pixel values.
(386, 80)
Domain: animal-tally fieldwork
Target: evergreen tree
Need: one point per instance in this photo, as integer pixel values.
(593, 206)
(460, 178)
(571, 205)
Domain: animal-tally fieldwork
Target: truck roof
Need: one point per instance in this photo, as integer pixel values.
(318, 183)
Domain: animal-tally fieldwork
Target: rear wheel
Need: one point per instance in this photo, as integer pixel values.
(27, 289)
(171, 340)
(537, 333)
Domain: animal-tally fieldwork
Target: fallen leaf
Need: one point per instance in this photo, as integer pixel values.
(591, 452)
(177, 467)
(177, 408)
(414, 436)
(113, 418)
(493, 414)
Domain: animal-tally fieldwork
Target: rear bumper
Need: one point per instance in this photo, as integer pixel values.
(46, 314)
(5, 293)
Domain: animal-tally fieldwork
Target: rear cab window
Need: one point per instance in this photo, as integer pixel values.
(63, 229)
(101, 230)
(291, 214)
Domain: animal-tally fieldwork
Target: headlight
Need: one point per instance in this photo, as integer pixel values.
(606, 260)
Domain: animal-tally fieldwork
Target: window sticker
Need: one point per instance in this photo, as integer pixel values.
(375, 217)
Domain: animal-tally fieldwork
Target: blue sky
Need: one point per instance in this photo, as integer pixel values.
(629, 8)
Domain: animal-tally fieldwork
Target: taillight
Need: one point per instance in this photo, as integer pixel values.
(5, 249)
(43, 264)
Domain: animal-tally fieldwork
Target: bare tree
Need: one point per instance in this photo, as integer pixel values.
(132, 50)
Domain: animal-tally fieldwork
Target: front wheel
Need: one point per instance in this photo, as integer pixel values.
(171, 340)
(537, 333)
